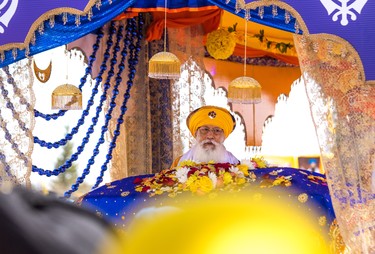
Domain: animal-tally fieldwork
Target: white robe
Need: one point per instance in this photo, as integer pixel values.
(227, 158)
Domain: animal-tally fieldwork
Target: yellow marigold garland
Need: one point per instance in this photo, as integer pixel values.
(221, 43)
(200, 178)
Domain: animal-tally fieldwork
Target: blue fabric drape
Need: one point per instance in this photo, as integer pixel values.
(61, 34)
(268, 18)
(118, 202)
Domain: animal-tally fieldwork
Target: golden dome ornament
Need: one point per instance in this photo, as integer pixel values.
(245, 90)
(66, 97)
(164, 65)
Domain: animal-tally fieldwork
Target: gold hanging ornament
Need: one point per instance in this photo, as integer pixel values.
(164, 65)
(67, 97)
(42, 75)
(245, 90)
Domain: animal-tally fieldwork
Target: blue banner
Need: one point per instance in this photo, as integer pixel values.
(17, 16)
(352, 20)
(65, 28)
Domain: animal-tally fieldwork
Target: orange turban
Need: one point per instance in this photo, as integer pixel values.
(211, 115)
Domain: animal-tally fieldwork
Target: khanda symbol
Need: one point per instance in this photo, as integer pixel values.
(6, 13)
(344, 10)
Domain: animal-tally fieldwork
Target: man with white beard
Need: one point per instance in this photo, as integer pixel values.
(210, 125)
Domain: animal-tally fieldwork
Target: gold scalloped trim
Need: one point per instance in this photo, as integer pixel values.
(283, 5)
(47, 15)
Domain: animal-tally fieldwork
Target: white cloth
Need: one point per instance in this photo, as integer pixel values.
(227, 158)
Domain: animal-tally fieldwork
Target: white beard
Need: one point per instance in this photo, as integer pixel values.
(216, 153)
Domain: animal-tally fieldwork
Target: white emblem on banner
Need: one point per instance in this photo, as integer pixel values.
(344, 10)
(7, 15)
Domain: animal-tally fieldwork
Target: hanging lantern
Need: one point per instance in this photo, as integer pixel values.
(244, 90)
(164, 65)
(66, 97)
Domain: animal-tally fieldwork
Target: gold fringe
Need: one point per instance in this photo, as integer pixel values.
(164, 65)
(244, 90)
(66, 97)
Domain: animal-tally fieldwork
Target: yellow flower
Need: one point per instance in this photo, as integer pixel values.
(211, 162)
(190, 181)
(221, 43)
(187, 163)
(227, 178)
(278, 181)
(240, 181)
(158, 192)
(260, 162)
(244, 169)
(205, 184)
(138, 188)
(193, 187)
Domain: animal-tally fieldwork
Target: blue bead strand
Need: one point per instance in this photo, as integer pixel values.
(85, 140)
(83, 80)
(108, 116)
(81, 121)
(133, 61)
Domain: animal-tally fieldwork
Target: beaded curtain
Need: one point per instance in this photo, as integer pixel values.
(122, 46)
(17, 122)
(343, 111)
(134, 138)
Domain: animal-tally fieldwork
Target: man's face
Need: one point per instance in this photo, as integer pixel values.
(209, 133)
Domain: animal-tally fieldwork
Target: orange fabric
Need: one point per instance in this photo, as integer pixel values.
(182, 9)
(250, 52)
(126, 15)
(210, 20)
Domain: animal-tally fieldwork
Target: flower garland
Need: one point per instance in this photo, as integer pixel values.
(199, 178)
(221, 43)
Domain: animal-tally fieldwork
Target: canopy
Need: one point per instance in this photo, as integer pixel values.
(51, 24)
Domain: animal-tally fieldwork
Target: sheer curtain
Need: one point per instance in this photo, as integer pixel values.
(343, 111)
(17, 122)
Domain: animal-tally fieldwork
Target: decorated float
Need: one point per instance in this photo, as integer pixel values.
(146, 64)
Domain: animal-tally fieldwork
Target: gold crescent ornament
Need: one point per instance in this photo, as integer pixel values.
(42, 75)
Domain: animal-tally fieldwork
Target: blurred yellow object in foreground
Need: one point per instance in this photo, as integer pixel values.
(227, 225)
